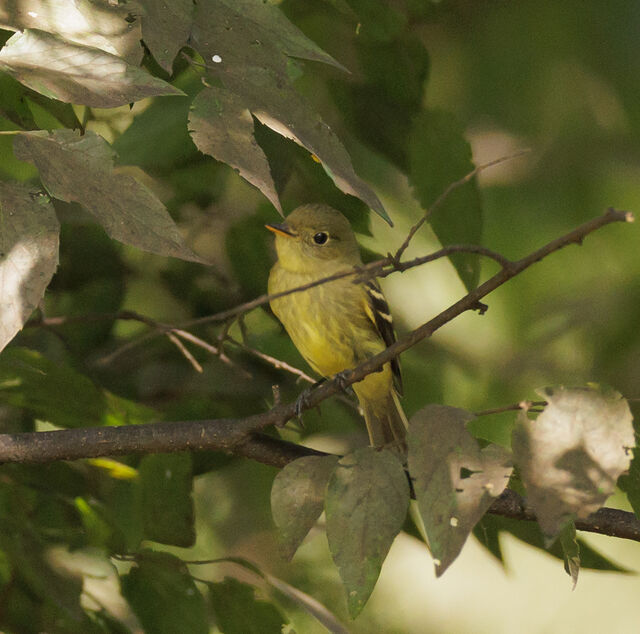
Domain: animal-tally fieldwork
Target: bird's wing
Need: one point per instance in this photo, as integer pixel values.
(378, 312)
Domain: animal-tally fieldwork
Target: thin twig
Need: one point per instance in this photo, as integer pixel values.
(276, 363)
(447, 192)
(185, 352)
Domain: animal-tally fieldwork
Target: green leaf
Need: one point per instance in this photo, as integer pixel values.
(571, 551)
(222, 126)
(390, 95)
(297, 498)
(58, 595)
(379, 21)
(79, 169)
(107, 26)
(29, 239)
(490, 526)
(630, 482)
(31, 381)
(97, 531)
(571, 456)
(157, 139)
(164, 597)
(237, 611)
(366, 505)
(439, 155)
(167, 504)
(166, 27)
(75, 73)
(454, 480)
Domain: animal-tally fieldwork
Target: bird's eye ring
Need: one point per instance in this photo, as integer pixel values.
(321, 237)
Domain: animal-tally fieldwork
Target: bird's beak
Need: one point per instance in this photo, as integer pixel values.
(281, 230)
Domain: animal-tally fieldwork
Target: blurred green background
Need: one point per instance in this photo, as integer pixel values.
(559, 78)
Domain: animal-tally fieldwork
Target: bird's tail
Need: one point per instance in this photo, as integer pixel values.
(386, 420)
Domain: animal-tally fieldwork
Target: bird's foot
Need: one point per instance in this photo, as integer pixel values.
(342, 379)
(302, 401)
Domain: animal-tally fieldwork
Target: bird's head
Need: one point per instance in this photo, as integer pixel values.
(315, 237)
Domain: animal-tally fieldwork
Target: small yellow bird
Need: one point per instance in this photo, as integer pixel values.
(339, 324)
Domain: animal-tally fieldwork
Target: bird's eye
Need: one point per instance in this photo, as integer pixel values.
(321, 237)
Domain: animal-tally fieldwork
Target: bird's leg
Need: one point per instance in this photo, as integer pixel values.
(302, 400)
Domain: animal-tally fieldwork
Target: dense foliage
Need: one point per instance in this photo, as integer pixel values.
(143, 145)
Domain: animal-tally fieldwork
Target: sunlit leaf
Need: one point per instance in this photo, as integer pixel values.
(571, 456)
(79, 169)
(163, 595)
(75, 73)
(114, 468)
(297, 498)
(439, 155)
(454, 480)
(108, 26)
(167, 485)
(222, 126)
(28, 254)
(366, 505)
(237, 611)
(97, 531)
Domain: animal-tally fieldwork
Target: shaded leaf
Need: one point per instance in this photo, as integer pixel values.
(302, 599)
(237, 610)
(249, 61)
(58, 594)
(167, 504)
(164, 597)
(79, 169)
(166, 27)
(454, 480)
(29, 238)
(158, 138)
(309, 604)
(267, 22)
(389, 96)
(379, 20)
(630, 482)
(571, 551)
(297, 498)
(222, 126)
(29, 380)
(75, 73)
(366, 505)
(487, 532)
(439, 155)
(105, 25)
(571, 456)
